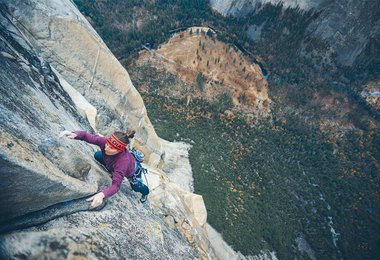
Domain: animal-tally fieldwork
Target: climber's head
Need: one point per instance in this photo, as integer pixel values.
(118, 141)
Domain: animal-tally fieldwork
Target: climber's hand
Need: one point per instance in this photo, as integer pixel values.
(97, 199)
(68, 134)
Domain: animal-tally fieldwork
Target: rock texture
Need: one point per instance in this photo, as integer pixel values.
(34, 108)
(240, 8)
(58, 74)
(86, 63)
(350, 29)
(122, 230)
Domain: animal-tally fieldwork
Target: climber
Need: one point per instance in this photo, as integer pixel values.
(117, 160)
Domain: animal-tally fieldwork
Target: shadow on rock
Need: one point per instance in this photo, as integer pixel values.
(48, 214)
(63, 157)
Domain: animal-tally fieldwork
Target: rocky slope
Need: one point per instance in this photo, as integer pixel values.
(58, 74)
(344, 32)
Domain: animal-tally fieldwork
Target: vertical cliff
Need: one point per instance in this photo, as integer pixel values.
(241, 8)
(340, 33)
(86, 63)
(58, 74)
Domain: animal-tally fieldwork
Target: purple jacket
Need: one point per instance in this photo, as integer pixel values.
(120, 165)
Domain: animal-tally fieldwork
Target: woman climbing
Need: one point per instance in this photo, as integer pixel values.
(117, 160)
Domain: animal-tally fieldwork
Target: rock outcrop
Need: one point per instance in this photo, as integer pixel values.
(58, 74)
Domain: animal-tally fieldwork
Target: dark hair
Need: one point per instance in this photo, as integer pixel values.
(124, 137)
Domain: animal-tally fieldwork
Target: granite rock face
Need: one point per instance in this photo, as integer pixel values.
(123, 229)
(34, 108)
(240, 8)
(85, 62)
(58, 74)
(350, 30)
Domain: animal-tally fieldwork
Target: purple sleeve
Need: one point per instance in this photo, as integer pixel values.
(124, 166)
(117, 179)
(91, 138)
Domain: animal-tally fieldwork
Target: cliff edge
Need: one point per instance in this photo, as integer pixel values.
(58, 74)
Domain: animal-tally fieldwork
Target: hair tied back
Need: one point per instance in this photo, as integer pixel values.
(130, 133)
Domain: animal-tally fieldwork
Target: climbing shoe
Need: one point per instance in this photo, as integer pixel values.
(143, 198)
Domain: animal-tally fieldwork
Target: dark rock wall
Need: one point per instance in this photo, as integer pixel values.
(348, 26)
(342, 33)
